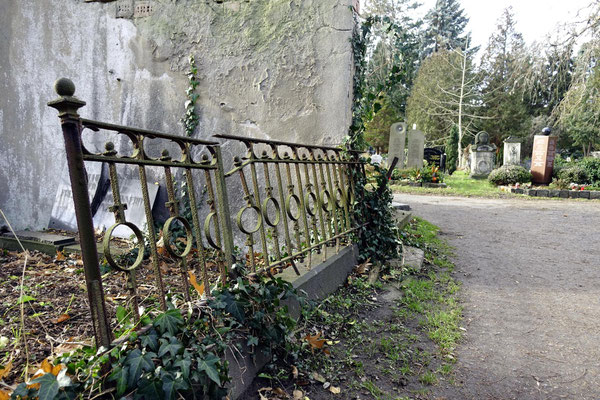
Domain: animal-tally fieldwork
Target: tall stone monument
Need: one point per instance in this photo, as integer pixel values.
(416, 148)
(483, 155)
(542, 158)
(512, 151)
(397, 143)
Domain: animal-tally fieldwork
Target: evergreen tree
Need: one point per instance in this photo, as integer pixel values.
(446, 23)
(452, 150)
(505, 111)
(377, 131)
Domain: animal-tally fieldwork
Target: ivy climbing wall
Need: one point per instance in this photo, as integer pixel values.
(278, 69)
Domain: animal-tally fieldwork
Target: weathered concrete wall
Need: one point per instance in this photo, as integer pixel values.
(278, 69)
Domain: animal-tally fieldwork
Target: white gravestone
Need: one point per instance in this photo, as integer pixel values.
(397, 143)
(63, 210)
(131, 194)
(512, 152)
(483, 155)
(416, 148)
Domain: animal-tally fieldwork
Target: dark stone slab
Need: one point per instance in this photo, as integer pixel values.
(554, 193)
(594, 194)
(517, 190)
(564, 194)
(533, 192)
(400, 206)
(573, 194)
(543, 193)
(584, 194)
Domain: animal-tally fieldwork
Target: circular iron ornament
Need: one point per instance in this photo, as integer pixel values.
(340, 197)
(240, 225)
(208, 233)
(307, 197)
(140, 246)
(288, 207)
(188, 234)
(265, 212)
(327, 207)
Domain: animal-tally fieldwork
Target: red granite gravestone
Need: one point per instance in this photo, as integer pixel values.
(542, 158)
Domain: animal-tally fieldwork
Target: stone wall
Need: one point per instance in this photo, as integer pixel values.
(279, 69)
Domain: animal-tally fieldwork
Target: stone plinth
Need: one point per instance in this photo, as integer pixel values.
(397, 143)
(542, 158)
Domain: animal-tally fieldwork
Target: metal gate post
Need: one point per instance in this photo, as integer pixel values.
(67, 106)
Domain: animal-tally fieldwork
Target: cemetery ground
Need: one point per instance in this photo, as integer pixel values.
(529, 290)
(392, 337)
(458, 184)
(388, 338)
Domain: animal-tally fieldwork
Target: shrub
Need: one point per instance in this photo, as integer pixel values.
(573, 174)
(429, 174)
(559, 184)
(591, 166)
(399, 174)
(509, 175)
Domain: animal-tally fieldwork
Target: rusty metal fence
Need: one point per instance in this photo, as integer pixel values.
(297, 205)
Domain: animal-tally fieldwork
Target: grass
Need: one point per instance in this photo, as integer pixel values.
(459, 184)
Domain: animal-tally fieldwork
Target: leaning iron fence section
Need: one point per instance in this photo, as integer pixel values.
(298, 200)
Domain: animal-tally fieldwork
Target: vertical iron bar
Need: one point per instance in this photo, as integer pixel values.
(302, 204)
(319, 206)
(197, 230)
(284, 216)
(173, 207)
(263, 237)
(223, 213)
(67, 106)
(332, 196)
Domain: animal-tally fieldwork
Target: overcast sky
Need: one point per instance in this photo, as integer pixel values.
(535, 18)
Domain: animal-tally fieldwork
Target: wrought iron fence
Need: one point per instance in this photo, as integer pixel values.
(297, 203)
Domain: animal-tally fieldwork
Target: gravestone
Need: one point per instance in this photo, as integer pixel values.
(131, 194)
(397, 143)
(512, 151)
(416, 146)
(63, 210)
(435, 156)
(482, 155)
(542, 157)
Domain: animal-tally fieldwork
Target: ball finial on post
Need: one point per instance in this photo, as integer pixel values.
(64, 87)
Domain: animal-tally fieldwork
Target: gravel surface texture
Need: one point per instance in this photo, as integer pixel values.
(530, 272)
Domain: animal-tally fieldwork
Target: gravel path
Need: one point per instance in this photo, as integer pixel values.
(531, 289)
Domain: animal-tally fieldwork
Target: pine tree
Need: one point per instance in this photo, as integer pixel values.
(505, 111)
(377, 131)
(446, 24)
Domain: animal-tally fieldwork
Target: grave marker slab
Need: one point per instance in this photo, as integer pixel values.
(434, 156)
(416, 146)
(512, 151)
(397, 143)
(542, 158)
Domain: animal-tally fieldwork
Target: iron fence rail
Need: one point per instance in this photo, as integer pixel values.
(297, 198)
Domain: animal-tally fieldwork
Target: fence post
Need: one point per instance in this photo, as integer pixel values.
(223, 209)
(67, 106)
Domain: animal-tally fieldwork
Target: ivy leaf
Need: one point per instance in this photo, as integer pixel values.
(137, 363)
(48, 387)
(208, 365)
(172, 346)
(150, 340)
(149, 389)
(120, 376)
(184, 364)
(169, 321)
(252, 341)
(233, 307)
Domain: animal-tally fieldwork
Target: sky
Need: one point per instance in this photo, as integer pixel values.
(535, 18)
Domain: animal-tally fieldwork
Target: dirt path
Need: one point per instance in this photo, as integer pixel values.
(531, 289)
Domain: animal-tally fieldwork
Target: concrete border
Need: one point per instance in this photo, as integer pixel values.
(317, 283)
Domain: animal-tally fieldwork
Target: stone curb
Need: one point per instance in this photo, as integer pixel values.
(317, 283)
(565, 194)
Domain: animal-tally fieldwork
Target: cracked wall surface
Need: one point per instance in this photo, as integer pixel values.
(279, 69)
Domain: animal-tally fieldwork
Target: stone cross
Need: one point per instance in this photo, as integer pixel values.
(416, 147)
(397, 143)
